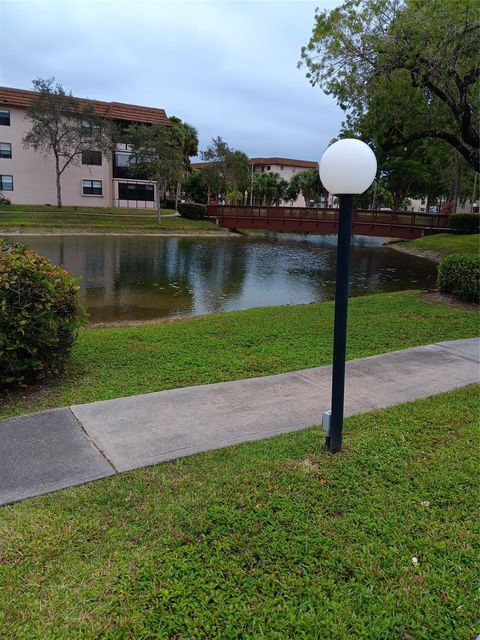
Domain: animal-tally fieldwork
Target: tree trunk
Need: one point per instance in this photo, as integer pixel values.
(159, 216)
(176, 195)
(456, 183)
(59, 188)
(474, 193)
(374, 199)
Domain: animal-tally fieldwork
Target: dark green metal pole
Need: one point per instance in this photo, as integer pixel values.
(334, 441)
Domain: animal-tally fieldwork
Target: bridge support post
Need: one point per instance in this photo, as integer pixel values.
(334, 438)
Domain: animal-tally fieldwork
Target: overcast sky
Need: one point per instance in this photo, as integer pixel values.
(228, 68)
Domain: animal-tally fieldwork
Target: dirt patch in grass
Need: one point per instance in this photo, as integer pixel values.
(445, 298)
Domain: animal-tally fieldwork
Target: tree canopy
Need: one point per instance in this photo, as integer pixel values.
(158, 153)
(403, 70)
(64, 126)
(228, 169)
(270, 186)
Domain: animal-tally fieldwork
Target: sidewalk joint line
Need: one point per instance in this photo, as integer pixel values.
(92, 442)
(457, 353)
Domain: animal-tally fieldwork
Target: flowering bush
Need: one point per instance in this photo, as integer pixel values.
(39, 315)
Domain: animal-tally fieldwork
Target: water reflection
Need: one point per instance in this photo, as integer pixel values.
(125, 278)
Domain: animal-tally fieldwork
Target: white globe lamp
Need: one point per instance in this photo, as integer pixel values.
(347, 168)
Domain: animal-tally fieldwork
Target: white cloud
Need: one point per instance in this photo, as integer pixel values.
(229, 68)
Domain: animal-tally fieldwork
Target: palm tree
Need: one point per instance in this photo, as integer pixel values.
(307, 182)
(189, 144)
(269, 187)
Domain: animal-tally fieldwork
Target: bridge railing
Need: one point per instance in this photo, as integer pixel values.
(397, 218)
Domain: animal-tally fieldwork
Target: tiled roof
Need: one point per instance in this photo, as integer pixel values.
(288, 162)
(116, 110)
(200, 165)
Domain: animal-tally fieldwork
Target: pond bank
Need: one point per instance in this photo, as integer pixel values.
(113, 362)
(440, 245)
(412, 251)
(33, 231)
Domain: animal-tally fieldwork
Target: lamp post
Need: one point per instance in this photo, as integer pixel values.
(347, 168)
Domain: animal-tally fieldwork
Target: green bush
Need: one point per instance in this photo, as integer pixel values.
(39, 315)
(464, 222)
(168, 203)
(4, 201)
(460, 275)
(192, 210)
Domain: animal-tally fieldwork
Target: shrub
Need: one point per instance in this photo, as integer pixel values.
(168, 203)
(39, 315)
(464, 222)
(192, 210)
(460, 275)
(4, 201)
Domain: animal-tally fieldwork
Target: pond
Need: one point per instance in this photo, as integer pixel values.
(141, 278)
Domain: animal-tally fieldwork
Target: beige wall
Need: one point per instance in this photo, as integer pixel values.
(286, 172)
(34, 174)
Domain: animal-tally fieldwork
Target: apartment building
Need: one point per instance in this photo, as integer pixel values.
(96, 180)
(286, 169)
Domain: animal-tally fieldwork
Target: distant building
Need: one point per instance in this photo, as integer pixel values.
(286, 169)
(419, 205)
(28, 177)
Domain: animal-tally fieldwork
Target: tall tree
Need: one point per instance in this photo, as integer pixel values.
(65, 127)
(157, 153)
(216, 154)
(412, 65)
(270, 187)
(196, 188)
(227, 169)
(238, 171)
(189, 140)
(308, 184)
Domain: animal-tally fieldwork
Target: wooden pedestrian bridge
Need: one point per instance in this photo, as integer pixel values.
(386, 224)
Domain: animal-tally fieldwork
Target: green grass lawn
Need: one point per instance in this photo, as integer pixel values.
(113, 362)
(90, 219)
(443, 244)
(274, 539)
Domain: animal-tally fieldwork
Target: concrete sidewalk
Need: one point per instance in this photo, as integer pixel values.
(51, 450)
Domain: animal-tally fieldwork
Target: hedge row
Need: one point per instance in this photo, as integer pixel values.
(464, 222)
(168, 203)
(39, 315)
(192, 210)
(460, 276)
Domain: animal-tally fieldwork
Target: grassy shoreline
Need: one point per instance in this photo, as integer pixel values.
(273, 539)
(440, 245)
(87, 220)
(119, 361)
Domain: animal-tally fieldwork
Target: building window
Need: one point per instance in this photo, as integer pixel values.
(90, 128)
(135, 191)
(92, 188)
(6, 183)
(294, 170)
(5, 117)
(282, 167)
(5, 150)
(92, 157)
(268, 167)
(124, 159)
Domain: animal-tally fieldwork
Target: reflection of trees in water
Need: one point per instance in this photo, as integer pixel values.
(145, 277)
(219, 273)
